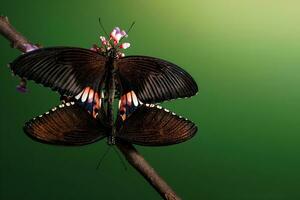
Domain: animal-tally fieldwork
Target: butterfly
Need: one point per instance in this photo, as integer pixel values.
(92, 79)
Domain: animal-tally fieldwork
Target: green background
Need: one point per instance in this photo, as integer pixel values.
(244, 56)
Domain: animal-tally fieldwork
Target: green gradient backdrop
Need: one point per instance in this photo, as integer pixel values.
(243, 54)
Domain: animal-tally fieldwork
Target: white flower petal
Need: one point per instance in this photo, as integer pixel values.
(125, 45)
(123, 33)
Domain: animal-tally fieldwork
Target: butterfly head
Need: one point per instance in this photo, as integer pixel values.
(113, 47)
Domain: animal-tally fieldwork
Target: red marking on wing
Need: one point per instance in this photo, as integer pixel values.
(91, 96)
(90, 99)
(128, 99)
(127, 104)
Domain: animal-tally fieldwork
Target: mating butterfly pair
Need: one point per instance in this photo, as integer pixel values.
(91, 79)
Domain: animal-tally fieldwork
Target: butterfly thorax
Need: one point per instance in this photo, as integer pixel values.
(111, 88)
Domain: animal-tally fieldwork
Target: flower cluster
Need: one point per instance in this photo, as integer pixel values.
(113, 42)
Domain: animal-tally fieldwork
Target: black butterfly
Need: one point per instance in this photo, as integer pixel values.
(94, 78)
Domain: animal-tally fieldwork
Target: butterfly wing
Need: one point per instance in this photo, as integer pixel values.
(150, 125)
(67, 70)
(68, 124)
(154, 80)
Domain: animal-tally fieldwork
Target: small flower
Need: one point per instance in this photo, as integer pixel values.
(21, 89)
(113, 33)
(120, 55)
(22, 86)
(30, 47)
(103, 40)
(125, 45)
(117, 35)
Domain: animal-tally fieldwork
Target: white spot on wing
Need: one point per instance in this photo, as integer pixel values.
(119, 104)
(79, 95)
(85, 95)
(134, 99)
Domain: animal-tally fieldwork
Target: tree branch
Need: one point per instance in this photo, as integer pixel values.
(19, 42)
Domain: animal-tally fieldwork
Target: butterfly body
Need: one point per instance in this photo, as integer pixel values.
(110, 102)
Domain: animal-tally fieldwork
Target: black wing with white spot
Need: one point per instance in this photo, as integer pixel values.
(68, 124)
(151, 125)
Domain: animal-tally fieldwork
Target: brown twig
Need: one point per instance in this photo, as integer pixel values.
(17, 40)
(132, 155)
(142, 166)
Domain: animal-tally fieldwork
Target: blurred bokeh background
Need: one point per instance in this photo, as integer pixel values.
(244, 56)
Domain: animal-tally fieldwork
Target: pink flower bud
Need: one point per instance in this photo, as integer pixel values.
(30, 47)
(22, 86)
(117, 35)
(125, 45)
(113, 34)
(103, 40)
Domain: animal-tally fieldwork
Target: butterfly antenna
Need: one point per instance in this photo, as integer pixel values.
(122, 161)
(103, 156)
(128, 30)
(101, 25)
(133, 23)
